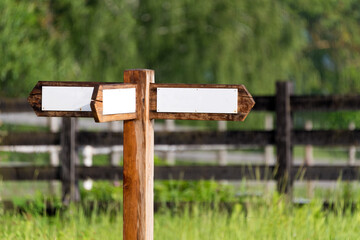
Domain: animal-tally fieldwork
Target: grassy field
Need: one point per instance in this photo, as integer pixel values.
(265, 219)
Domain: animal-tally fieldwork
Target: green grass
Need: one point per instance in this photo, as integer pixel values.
(266, 217)
(6, 127)
(31, 159)
(269, 219)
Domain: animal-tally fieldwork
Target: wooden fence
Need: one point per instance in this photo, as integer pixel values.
(284, 137)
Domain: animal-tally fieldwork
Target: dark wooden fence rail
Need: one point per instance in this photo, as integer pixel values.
(284, 138)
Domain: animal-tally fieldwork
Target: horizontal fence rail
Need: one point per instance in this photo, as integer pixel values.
(251, 138)
(283, 104)
(254, 172)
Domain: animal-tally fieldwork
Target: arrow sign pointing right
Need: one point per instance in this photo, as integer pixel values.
(220, 102)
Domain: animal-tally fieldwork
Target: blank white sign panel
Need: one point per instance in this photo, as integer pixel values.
(66, 98)
(197, 100)
(117, 101)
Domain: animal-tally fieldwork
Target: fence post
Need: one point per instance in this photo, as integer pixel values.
(352, 148)
(88, 152)
(269, 150)
(309, 160)
(222, 153)
(70, 191)
(115, 155)
(54, 126)
(283, 137)
(170, 154)
(309, 157)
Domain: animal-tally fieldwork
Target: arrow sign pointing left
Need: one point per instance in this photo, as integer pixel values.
(62, 99)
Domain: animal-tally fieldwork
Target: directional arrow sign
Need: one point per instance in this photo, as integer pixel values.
(114, 102)
(62, 99)
(138, 101)
(174, 101)
(200, 102)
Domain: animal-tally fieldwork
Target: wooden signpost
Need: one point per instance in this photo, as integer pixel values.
(138, 101)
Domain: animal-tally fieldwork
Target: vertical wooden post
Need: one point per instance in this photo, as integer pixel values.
(170, 154)
(309, 160)
(54, 126)
(115, 155)
(87, 153)
(309, 156)
(352, 149)
(139, 162)
(269, 150)
(222, 152)
(70, 191)
(283, 137)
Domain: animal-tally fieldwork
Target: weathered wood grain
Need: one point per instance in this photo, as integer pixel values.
(245, 104)
(139, 162)
(97, 103)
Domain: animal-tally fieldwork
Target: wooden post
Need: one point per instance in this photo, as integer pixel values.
(269, 150)
(170, 154)
(115, 155)
(283, 137)
(88, 152)
(54, 126)
(139, 162)
(0, 142)
(309, 160)
(352, 149)
(222, 153)
(309, 157)
(70, 191)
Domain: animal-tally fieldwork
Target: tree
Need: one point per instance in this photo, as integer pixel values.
(64, 40)
(23, 47)
(251, 42)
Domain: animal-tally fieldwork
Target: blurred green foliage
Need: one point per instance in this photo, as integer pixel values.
(200, 191)
(255, 42)
(102, 191)
(166, 191)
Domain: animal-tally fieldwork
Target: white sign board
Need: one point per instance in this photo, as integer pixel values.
(117, 101)
(197, 100)
(66, 98)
